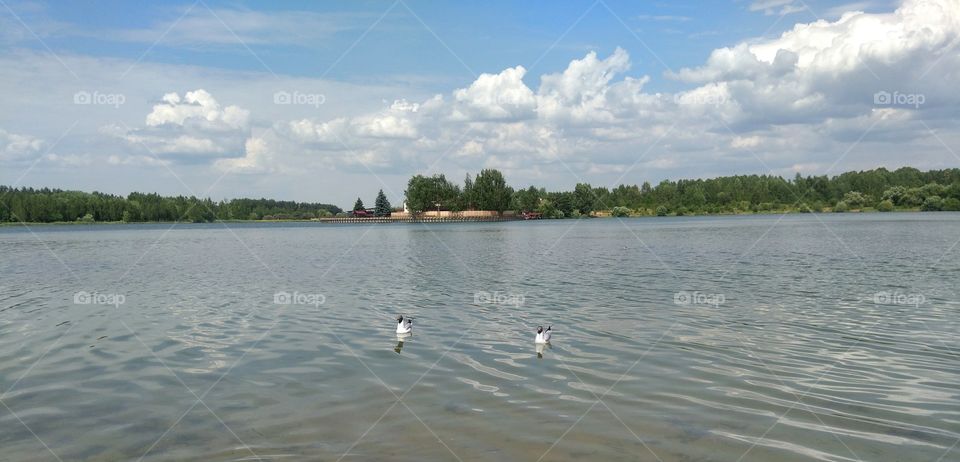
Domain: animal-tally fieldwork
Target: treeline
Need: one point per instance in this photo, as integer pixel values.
(879, 189)
(54, 205)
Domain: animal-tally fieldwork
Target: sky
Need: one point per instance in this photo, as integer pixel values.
(328, 101)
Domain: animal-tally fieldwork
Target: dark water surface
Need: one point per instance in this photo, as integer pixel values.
(798, 362)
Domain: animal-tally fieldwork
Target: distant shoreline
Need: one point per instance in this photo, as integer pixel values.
(600, 214)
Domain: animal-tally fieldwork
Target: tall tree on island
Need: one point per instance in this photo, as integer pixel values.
(467, 196)
(431, 193)
(490, 191)
(382, 205)
(358, 205)
(584, 198)
(418, 194)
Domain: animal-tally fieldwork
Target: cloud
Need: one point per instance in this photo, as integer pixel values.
(194, 124)
(812, 88)
(257, 158)
(579, 93)
(796, 101)
(496, 96)
(16, 147)
(777, 7)
(833, 68)
(197, 106)
(839, 10)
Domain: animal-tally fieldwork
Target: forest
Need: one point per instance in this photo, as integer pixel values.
(871, 190)
(879, 189)
(46, 205)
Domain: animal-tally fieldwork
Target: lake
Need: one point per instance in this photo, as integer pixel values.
(753, 338)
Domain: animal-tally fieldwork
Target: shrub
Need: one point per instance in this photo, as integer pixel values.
(885, 206)
(895, 194)
(662, 211)
(620, 212)
(855, 199)
(841, 207)
(951, 204)
(932, 204)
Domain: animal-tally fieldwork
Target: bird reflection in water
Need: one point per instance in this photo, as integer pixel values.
(540, 348)
(400, 339)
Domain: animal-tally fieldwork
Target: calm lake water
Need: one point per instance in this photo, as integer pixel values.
(676, 339)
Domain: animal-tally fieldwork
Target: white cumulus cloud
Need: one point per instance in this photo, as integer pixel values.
(14, 146)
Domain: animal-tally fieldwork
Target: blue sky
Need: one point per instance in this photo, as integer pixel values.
(486, 36)
(184, 96)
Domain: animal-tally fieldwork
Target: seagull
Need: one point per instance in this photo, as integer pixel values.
(404, 326)
(543, 336)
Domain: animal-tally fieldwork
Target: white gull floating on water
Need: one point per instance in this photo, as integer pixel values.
(404, 325)
(543, 336)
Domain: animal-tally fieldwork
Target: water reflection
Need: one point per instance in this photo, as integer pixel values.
(540, 347)
(400, 339)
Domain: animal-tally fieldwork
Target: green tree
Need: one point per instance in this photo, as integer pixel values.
(951, 204)
(430, 193)
(382, 205)
(584, 200)
(885, 206)
(491, 192)
(358, 205)
(527, 200)
(419, 194)
(932, 204)
(467, 197)
(895, 195)
(855, 199)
